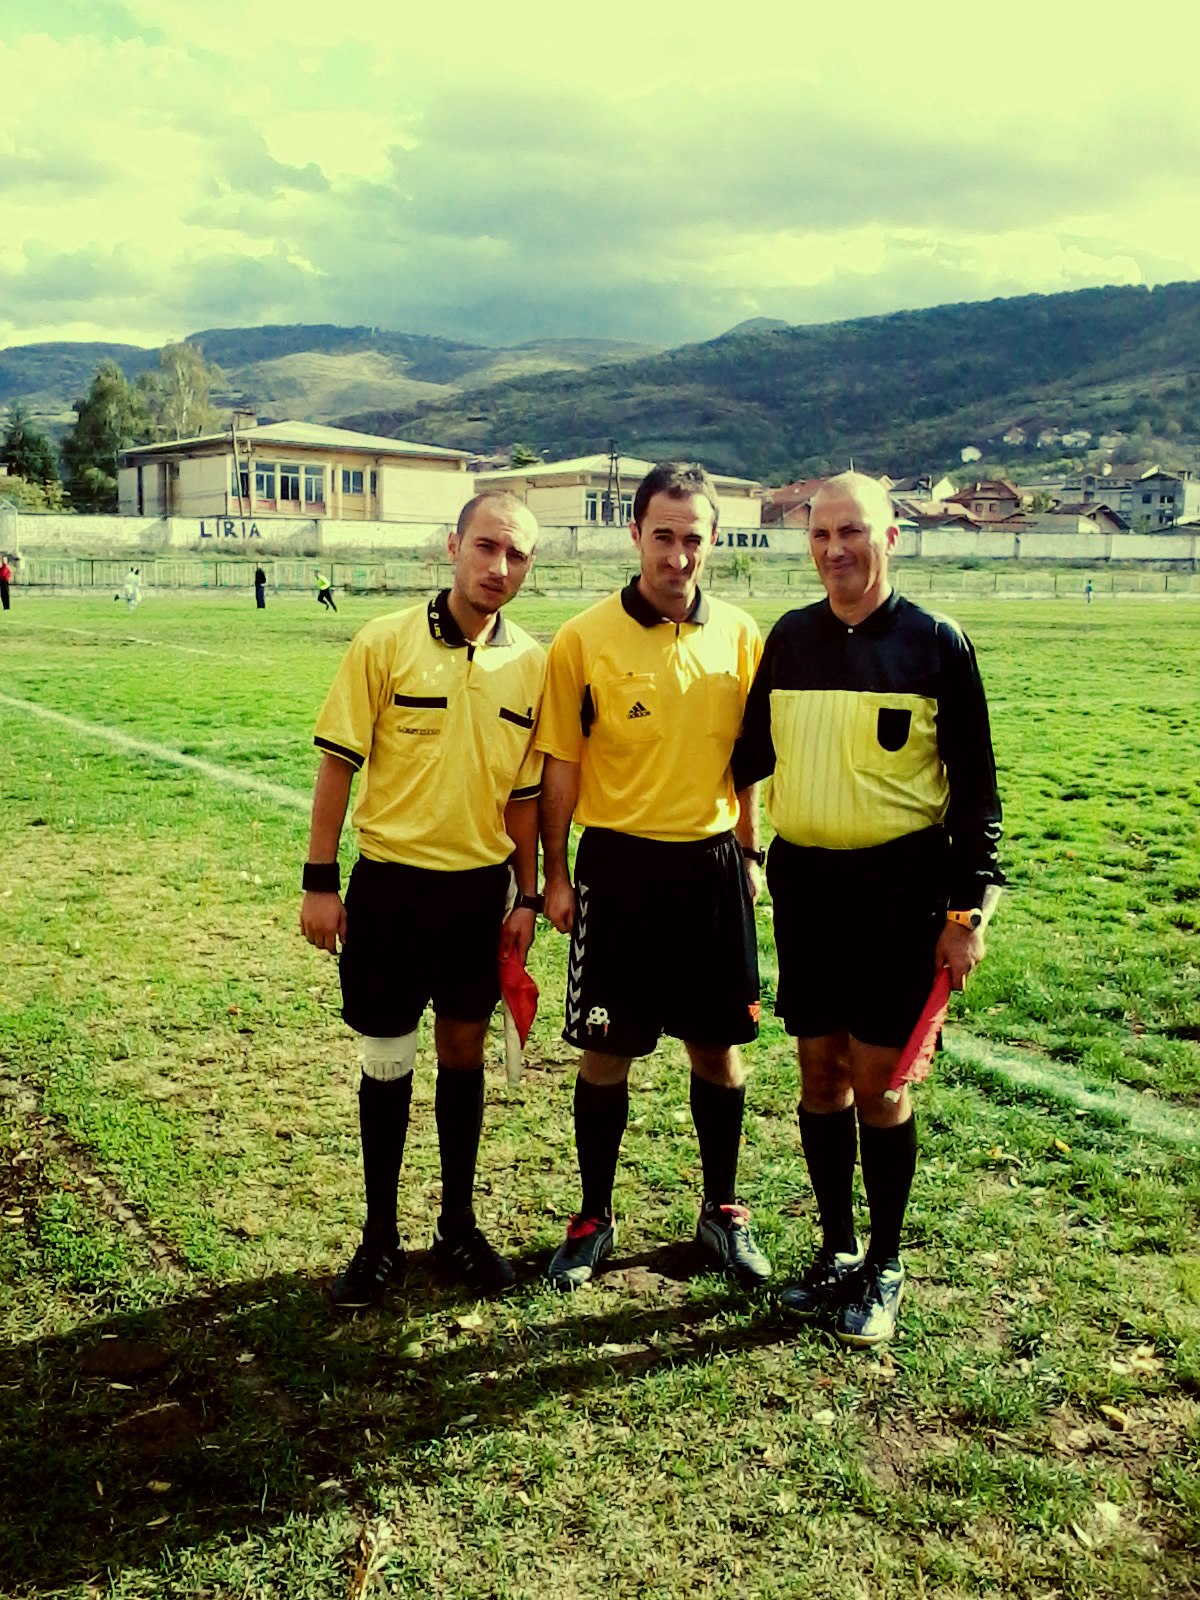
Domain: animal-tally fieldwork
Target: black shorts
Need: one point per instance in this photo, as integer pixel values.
(413, 936)
(855, 932)
(663, 942)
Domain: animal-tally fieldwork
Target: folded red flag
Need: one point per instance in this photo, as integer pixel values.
(917, 1055)
(520, 996)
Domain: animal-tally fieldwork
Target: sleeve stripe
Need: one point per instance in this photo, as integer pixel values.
(339, 750)
(526, 794)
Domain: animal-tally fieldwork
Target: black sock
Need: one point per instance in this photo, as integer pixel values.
(717, 1112)
(889, 1160)
(458, 1106)
(830, 1148)
(601, 1112)
(383, 1125)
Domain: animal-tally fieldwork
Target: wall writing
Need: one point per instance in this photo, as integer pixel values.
(226, 528)
(741, 541)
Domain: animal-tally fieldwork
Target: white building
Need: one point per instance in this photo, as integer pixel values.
(294, 469)
(569, 494)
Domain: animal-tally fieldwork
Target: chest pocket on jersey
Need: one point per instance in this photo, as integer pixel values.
(628, 709)
(896, 740)
(892, 727)
(521, 718)
(723, 704)
(420, 722)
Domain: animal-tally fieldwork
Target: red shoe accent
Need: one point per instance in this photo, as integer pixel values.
(580, 1227)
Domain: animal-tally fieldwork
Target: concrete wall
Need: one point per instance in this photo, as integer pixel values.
(204, 485)
(417, 494)
(580, 541)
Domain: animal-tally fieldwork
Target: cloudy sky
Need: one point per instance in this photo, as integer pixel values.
(641, 169)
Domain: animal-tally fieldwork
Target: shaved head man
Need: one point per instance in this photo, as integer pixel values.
(869, 716)
(444, 838)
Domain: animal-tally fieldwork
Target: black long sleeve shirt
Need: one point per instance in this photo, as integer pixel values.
(873, 731)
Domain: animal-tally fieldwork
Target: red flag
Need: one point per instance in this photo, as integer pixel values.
(520, 996)
(917, 1055)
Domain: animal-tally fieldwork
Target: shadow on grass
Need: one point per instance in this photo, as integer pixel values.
(227, 1413)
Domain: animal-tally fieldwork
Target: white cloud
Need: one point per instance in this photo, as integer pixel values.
(641, 172)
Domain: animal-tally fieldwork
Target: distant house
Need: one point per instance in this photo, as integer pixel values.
(989, 499)
(922, 487)
(571, 494)
(1015, 435)
(1047, 437)
(929, 514)
(1161, 499)
(294, 469)
(1077, 439)
(787, 506)
(1106, 518)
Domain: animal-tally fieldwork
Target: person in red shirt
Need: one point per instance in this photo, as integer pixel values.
(5, 580)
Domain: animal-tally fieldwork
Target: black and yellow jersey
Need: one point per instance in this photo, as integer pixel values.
(442, 731)
(650, 709)
(874, 731)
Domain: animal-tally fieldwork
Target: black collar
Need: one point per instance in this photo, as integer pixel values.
(878, 622)
(639, 608)
(443, 627)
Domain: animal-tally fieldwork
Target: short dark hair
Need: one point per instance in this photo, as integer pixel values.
(473, 504)
(677, 479)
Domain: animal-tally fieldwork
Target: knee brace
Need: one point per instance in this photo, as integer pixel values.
(387, 1060)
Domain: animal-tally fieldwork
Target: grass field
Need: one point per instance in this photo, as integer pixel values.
(181, 1414)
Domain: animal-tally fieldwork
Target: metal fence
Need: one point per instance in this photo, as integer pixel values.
(770, 576)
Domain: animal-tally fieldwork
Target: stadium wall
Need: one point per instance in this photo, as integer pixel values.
(233, 536)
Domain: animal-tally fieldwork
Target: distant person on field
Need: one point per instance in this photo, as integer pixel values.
(868, 716)
(1088, 591)
(133, 588)
(5, 579)
(435, 705)
(325, 592)
(644, 699)
(260, 589)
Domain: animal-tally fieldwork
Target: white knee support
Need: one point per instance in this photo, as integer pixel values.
(387, 1060)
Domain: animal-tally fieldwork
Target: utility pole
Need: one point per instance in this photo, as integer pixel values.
(610, 502)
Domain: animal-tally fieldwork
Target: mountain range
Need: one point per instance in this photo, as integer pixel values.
(896, 393)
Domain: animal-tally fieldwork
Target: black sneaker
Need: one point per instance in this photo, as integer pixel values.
(577, 1260)
(364, 1282)
(869, 1315)
(825, 1284)
(469, 1259)
(723, 1234)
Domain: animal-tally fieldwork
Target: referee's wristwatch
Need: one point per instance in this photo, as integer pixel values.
(966, 919)
(530, 902)
(751, 854)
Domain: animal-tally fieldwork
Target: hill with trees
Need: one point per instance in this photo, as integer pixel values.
(897, 392)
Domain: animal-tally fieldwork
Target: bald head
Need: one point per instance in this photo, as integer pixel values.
(871, 497)
(851, 535)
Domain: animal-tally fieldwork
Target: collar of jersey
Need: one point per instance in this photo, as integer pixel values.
(443, 627)
(639, 608)
(879, 621)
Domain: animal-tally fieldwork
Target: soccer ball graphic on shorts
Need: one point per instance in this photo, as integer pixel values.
(597, 1017)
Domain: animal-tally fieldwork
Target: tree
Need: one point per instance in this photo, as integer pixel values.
(108, 419)
(521, 455)
(26, 452)
(28, 496)
(177, 395)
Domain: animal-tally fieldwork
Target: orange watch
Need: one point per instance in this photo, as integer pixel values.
(965, 919)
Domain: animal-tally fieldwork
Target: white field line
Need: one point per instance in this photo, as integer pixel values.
(1143, 1114)
(125, 638)
(293, 799)
(1151, 1118)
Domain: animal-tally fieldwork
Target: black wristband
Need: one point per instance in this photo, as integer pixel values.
(322, 877)
(754, 855)
(530, 902)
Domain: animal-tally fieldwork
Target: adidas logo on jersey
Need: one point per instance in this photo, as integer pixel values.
(637, 710)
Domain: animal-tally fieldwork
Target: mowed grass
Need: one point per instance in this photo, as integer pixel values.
(182, 1414)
